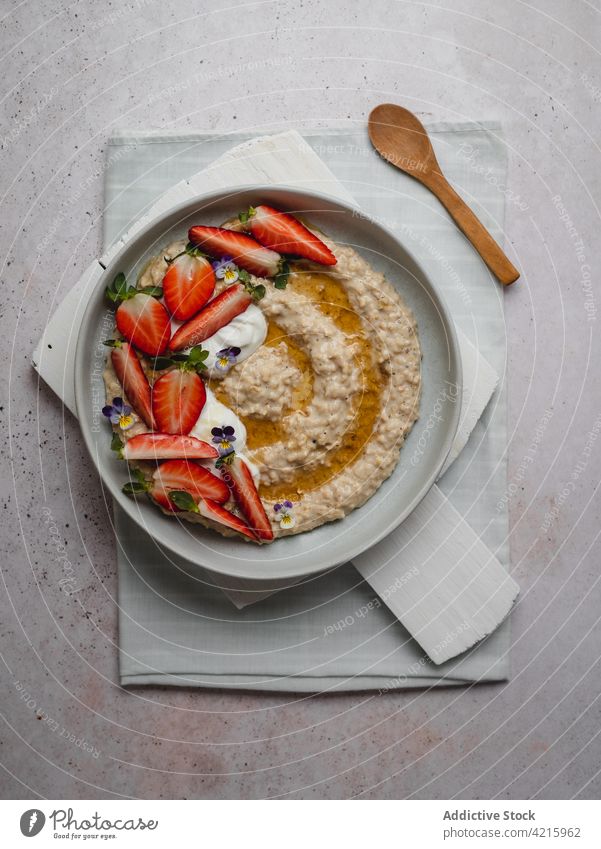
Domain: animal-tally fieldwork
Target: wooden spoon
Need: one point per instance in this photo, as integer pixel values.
(402, 140)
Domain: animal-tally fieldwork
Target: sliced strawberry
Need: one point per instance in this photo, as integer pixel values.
(132, 378)
(188, 285)
(190, 477)
(244, 251)
(164, 446)
(177, 401)
(144, 321)
(284, 233)
(239, 479)
(212, 510)
(218, 312)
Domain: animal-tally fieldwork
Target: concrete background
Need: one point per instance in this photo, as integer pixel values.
(70, 73)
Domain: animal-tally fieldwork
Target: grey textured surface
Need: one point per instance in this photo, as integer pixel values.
(71, 72)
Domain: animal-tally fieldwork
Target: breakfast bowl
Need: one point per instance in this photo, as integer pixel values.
(345, 389)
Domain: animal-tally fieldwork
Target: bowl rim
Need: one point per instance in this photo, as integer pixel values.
(206, 198)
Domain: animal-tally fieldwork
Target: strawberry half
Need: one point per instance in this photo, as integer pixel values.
(132, 378)
(242, 249)
(145, 322)
(178, 475)
(142, 319)
(284, 233)
(240, 481)
(179, 395)
(165, 446)
(188, 285)
(210, 510)
(219, 312)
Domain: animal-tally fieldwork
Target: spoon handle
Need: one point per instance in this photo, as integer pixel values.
(473, 229)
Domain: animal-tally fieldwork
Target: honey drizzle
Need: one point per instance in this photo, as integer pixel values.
(330, 297)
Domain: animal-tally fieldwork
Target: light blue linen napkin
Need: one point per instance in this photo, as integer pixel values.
(330, 632)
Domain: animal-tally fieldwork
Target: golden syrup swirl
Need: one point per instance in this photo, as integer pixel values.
(328, 295)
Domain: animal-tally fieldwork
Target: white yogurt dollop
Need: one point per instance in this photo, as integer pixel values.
(246, 331)
(216, 414)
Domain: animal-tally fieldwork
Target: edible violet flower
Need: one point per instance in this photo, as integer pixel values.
(119, 413)
(226, 358)
(285, 514)
(223, 438)
(226, 269)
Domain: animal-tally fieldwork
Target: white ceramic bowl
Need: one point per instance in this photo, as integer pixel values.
(425, 450)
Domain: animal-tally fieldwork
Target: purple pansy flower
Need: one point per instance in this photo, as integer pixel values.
(226, 358)
(226, 269)
(285, 514)
(223, 438)
(119, 413)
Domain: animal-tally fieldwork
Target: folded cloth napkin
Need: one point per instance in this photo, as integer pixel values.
(145, 612)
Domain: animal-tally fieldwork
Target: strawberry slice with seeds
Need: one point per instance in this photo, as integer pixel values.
(165, 446)
(142, 319)
(210, 509)
(187, 476)
(239, 479)
(130, 375)
(220, 311)
(241, 248)
(188, 285)
(177, 401)
(285, 234)
(179, 396)
(145, 322)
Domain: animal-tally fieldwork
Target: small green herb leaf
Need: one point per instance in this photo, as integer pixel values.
(280, 281)
(137, 485)
(194, 250)
(246, 216)
(197, 357)
(258, 292)
(226, 459)
(120, 283)
(160, 363)
(119, 290)
(133, 488)
(184, 501)
(117, 445)
(153, 291)
(139, 476)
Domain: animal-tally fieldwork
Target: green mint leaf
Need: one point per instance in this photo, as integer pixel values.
(120, 282)
(133, 488)
(258, 292)
(197, 356)
(243, 275)
(160, 363)
(153, 291)
(194, 250)
(280, 281)
(184, 501)
(117, 444)
(139, 476)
